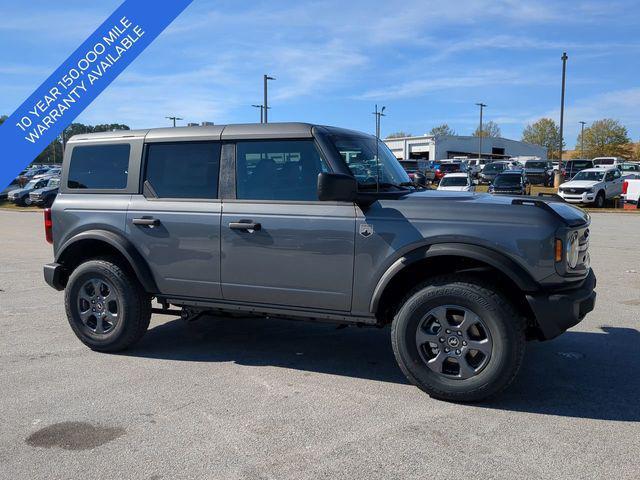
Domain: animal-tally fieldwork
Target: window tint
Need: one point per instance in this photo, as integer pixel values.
(278, 170)
(184, 169)
(99, 166)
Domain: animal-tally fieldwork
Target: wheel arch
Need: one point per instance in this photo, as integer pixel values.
(430, 260)
(97, 243)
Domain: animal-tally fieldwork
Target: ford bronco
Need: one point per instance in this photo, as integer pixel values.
(312, 222)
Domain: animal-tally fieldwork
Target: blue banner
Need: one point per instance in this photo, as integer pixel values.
(80, 79)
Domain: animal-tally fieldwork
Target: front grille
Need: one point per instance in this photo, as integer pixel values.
(576, 191)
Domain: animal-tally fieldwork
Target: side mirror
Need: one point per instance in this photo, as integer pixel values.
(337, 187)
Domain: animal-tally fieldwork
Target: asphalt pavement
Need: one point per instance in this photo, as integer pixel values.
(232, 398)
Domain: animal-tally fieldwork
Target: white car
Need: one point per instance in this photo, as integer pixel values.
(593, 185)
(630, 170)
(631, 192)
(457, 182)
(607, 161)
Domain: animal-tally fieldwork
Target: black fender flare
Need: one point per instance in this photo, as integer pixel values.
(517, 274)
(122, 245)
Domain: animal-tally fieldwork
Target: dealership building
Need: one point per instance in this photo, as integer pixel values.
(430, 147)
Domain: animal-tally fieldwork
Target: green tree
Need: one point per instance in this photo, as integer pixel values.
(606, 138)
(489, 129)
(545, 133)
(399, 134)
(2, 119)
(108, 127)
(442, 131)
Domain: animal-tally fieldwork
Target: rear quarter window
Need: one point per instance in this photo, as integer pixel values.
(102, 167)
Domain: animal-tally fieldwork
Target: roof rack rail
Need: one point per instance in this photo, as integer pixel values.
(553, 196)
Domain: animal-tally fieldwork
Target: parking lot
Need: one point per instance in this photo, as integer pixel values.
(253, 398)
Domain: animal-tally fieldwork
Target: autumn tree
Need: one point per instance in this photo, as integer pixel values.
(442, 131)
(606, 138)
(546, 133)
(489, 129)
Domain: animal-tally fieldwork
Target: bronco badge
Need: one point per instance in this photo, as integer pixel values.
(366, 230)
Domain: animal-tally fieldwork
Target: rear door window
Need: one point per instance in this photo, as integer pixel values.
(183, 169)
(99, 167)
(278, 170)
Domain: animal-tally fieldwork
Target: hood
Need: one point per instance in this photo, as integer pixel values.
(472, 206)
(19, 191)
(579, 184)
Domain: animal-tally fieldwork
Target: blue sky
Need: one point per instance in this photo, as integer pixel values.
(427, 62)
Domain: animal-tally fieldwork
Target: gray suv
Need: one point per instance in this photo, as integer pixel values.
(313, 222)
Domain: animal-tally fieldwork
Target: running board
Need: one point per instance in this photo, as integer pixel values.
(280, 311)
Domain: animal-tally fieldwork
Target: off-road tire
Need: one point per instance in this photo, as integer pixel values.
(505, 324)
(135, 311)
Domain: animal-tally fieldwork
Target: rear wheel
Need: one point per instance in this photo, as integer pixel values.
(106, 306)
(458, 340)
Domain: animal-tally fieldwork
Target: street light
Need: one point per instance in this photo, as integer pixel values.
(265, 104)
(378, 114)
(582, 139)
(174, 119)
(564, 74)
(481, 105)
(261, 107)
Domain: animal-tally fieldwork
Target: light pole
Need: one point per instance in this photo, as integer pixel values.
(174, 119)
(582, 124)
(261, 107)
(481, 105)
(265, 104)
(564, 75)
(378, 114)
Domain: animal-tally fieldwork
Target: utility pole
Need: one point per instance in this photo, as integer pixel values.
(174, 119)
(261, 107)
(582, 139)
(481, 105)
(265, 104)
(564, 74)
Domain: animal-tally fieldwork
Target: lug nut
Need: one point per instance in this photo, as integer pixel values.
(93, 309)
(457, 352)
(464, 343)
(93, 301)
(441, 340)
(459, 334)
(448, 331)
(446, 350)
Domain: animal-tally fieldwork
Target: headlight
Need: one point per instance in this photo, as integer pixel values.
(572, 250)
(590, 190)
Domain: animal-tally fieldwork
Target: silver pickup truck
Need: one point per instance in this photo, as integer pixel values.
(312, 222)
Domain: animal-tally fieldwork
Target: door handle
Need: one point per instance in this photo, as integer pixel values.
(146, 222)
(245, 225)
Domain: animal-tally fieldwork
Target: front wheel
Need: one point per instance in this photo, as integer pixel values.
(106, 306)
(599, 202)
(458, 340)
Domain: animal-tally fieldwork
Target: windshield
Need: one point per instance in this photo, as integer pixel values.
(31, 185)
(453, 181)
(575, 165)
(54, 182)
(603, 161)
(507, 180)
(359, 153)
(590, 176)
(535, 165)
(628, 167)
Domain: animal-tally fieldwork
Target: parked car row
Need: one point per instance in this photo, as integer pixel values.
(38, 185)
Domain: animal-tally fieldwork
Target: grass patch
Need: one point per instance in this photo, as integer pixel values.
(6, 205)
